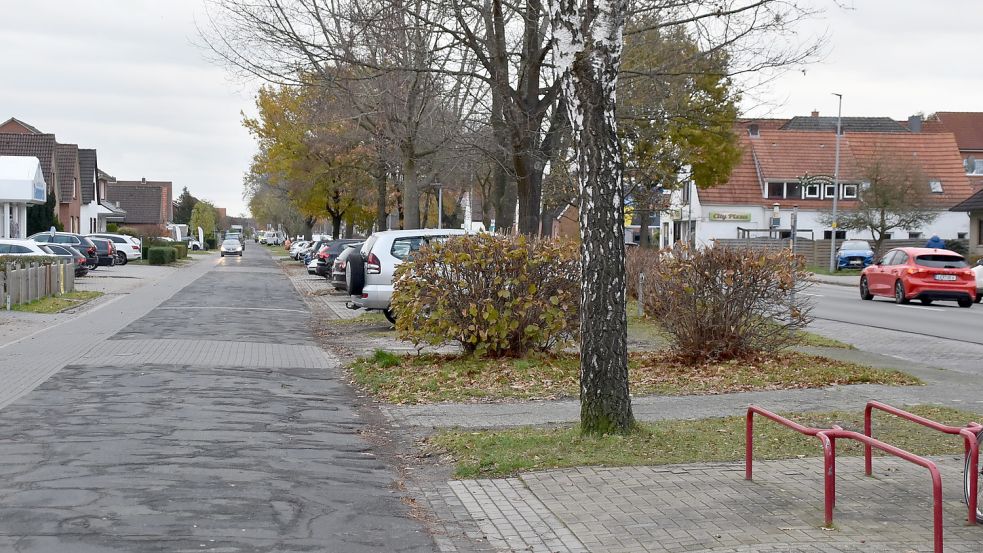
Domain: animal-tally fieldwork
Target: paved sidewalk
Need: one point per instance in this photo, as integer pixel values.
(839, 280)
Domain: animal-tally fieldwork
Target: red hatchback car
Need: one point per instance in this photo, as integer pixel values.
(924, 274)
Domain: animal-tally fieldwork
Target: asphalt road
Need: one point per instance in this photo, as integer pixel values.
(944, 320)
(210, 424)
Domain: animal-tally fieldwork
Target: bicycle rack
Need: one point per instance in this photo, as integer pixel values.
(968, 433)
(828, 438)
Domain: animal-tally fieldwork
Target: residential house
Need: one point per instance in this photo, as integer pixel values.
(974, 207)
(96, 211)
(968, 130)
(70, 195)
(148, 204)
(793, 164)
(39, 146)
(21, 184)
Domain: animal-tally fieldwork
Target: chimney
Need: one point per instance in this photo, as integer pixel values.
(752, 130)
(143, 180)
(915, 123)
(815, 113)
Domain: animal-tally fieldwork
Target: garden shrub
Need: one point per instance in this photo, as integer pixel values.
(211, 242)
(161, 255)
(639, 260)
(181, 250)
(112, 227)
(722, 303)
(130, 231)
(959, 246)
(494, 295)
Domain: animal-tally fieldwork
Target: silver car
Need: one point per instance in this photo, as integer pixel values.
(369, 275)
(231, 246)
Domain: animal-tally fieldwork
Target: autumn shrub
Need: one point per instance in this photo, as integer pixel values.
(496, 296)
(639, 261)
(721, 303)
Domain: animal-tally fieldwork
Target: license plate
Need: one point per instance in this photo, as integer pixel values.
(945, 277)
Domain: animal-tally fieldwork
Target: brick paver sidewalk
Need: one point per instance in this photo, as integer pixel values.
(710, 507)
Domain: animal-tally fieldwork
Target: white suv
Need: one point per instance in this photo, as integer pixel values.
(369, 276)
(127, 247)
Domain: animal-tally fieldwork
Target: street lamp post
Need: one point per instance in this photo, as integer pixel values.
(440, 204)
(836, 183)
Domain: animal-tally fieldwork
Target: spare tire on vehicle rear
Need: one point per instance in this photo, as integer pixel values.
(355, 274)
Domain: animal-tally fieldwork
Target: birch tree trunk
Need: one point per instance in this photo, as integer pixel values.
(588, 35)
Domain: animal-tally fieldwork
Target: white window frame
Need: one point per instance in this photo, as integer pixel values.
(829, 190)
(852, 195)
(807, 195)
(935, 185)
(978, 167)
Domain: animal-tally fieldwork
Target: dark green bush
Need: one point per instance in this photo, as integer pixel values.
(25, 260)
(112, 227)
(494, 295)
(161, 255)
(182, 250)
(211, 242)
(958, 246)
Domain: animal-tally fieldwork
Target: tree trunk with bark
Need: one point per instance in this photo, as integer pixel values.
(411, 190)
(381, 195)
(589, 44)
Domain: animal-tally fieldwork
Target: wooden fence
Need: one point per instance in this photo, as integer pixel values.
(26, 283)
(815, 252)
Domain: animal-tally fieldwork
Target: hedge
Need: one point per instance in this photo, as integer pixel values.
(182, 250)
(161, 255)
(26, 260)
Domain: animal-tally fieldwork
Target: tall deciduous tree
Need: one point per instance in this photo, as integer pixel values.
(589, 36)
(895, 195)
(204, 215)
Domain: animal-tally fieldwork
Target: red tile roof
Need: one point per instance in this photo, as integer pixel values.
(967, 126)
(777, 155)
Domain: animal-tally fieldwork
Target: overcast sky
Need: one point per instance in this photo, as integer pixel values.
(125, 77)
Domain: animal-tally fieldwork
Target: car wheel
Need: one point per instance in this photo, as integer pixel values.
(355, 275)
(966, 303)
(389, 315)
(865, 290)
(899, 296)
(979, 297)
(223, 254)
(925, 301)
(121, 259)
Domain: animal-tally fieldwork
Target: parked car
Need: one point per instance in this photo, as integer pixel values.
(978, 272)
(312, 266)
(127, 247)
(105, 251)
(338, 267)
(16, 246)
(231, 246)
(327, 254)
(854, 254)
(925, 274)
(70, 253)
(313, 249)
(79, 242)
(369, 275)
(297, 247)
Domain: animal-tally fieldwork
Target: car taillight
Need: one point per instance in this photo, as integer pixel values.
(342, 265)
(322, 255)
(372, 265)
(91, 250)
(135, 247)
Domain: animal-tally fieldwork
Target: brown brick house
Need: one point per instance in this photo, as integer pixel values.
(148, 204)
(69, 192)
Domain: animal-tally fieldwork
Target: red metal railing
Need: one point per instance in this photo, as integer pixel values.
(968, 433)
(828, 445)
(828, 438)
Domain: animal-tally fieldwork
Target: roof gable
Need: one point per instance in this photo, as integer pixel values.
(67, 156)
(966, 126)
(87, 174)
(41, 146)
(16, 126)
(142, 202)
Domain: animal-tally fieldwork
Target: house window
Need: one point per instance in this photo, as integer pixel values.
(829, 190)
(973, 166)
(849, 192)
(811, 191)
(776, 189)
(935, 185)
(914, 235)
(840, 234)
(961, 235)
(793, 190)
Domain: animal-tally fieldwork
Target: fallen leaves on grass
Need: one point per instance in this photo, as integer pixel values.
(443, 378)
